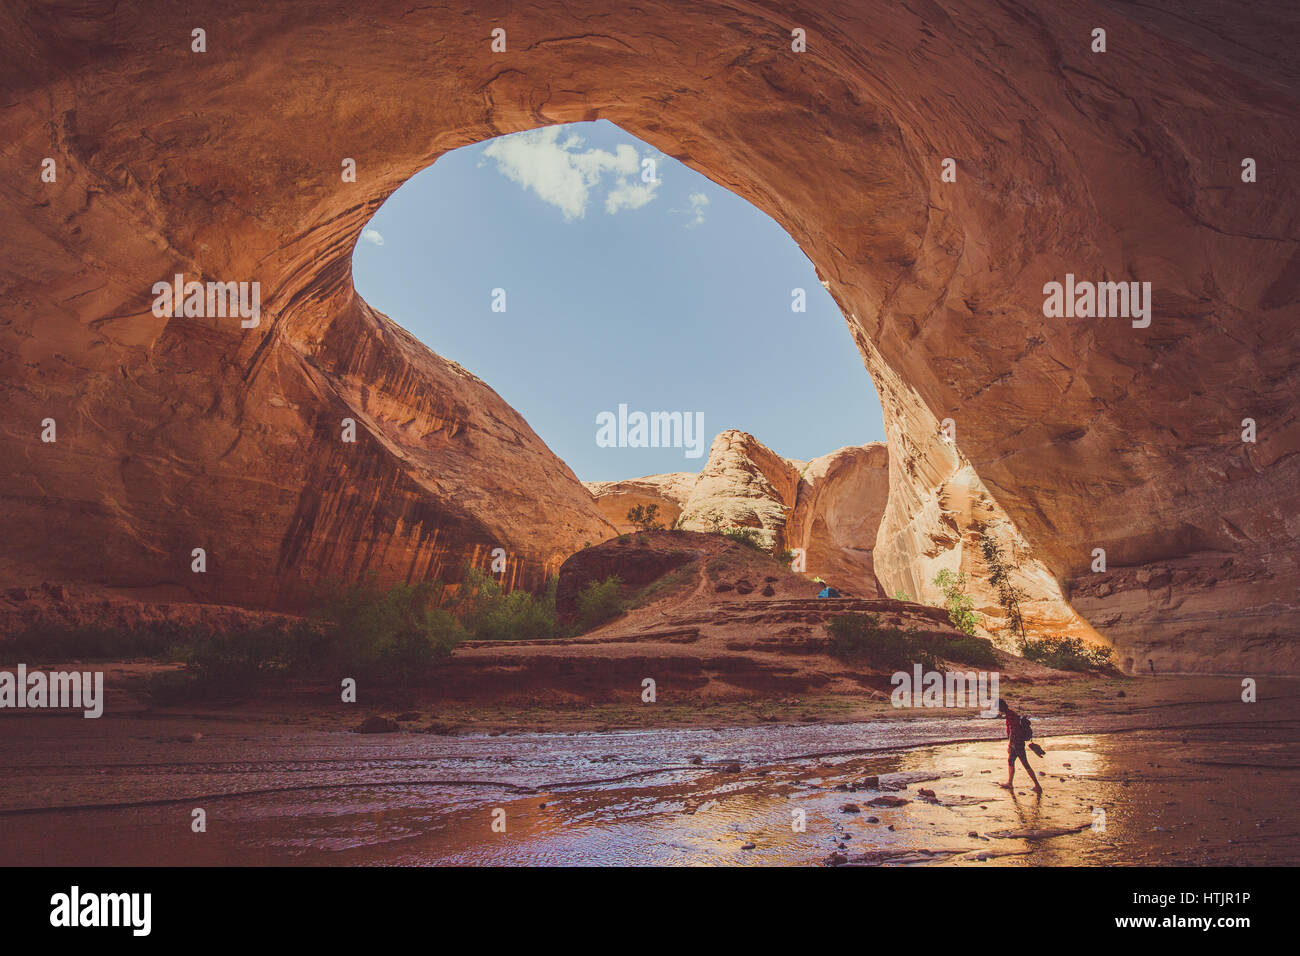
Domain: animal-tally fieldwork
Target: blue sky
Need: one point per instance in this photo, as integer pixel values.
(670, 295)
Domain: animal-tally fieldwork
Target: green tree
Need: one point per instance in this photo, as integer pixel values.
(490, 613)
(961, 609)
(1000, 570)
(599, 602)
(644, 517)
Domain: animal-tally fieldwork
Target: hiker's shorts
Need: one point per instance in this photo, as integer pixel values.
(1016, 748)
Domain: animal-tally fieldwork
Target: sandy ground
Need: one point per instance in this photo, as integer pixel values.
(1177, 770)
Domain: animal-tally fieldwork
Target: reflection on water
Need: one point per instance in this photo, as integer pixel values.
(719, 796)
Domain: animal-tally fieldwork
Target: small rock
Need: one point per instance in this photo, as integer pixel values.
(850, 808)
(837, 859)
(885, 800)
(375, 724)
(748, 846)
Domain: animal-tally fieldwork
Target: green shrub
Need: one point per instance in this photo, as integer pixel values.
(356, 630)
(901, 595)
(233, 663)
(59, 642)
(862, 638)
(599, 602)
(960, 607)
(750, 537)
(370, 631)
(1067, 654)
(492, 615)
(644, 517)
(962, 650)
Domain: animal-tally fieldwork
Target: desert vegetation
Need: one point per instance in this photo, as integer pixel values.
(1067, 654)
(645, 517)
(960, 607)
(1000, 569)
(862, 638)
(363, 630)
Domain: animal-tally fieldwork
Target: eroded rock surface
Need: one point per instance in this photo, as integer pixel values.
(864, 524)
(667, 493)
(829, 508)
(176, 433)
(837, 516)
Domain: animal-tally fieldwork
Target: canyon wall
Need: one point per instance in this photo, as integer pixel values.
(868, 525)
(837, 514)
(614, 499)
(1086, 433)
(830, 508)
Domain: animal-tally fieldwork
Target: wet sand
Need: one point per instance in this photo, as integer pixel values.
(1209, 780)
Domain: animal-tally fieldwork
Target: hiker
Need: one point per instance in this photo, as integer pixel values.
(1151, 664)
(1018, 732)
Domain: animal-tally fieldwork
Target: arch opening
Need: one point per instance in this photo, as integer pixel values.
(476, 245)
(942, 285)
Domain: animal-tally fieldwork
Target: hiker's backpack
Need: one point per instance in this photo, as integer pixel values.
(1026, 728)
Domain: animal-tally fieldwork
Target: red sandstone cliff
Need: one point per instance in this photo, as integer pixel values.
(1086, 433)
(830, 508)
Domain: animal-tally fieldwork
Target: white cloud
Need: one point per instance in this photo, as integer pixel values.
(562, 174)
(697, 202)
(628, 195)
(372, 235)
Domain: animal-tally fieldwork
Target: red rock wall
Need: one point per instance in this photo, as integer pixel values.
(1087, 433)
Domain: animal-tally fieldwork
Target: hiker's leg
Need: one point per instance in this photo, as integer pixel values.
(1032, 776)
(1011, 770)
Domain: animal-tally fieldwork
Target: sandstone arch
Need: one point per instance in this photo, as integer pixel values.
(177, 433)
